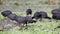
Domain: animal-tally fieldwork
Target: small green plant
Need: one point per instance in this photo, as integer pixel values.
(26, 4)
(46, 2)
(1, 2)
(59, 3)
(16, 3)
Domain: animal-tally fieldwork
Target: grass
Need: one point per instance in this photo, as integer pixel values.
(1, 17)
(35, 28)
(16, 3)
(44, 27)
(1, 2)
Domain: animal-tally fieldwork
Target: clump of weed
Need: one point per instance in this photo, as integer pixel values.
(1, 2)
(16, 3)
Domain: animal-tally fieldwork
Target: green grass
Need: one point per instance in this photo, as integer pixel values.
(35, 28)
(1, 17)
